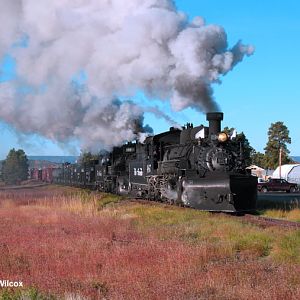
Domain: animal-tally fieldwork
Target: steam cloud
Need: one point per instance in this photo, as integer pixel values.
(122, 47)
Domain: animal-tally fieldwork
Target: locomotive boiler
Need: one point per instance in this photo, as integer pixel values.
(199, 167)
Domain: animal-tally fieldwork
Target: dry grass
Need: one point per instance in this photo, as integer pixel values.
(292, 215)
(65, 243)
(287, 210)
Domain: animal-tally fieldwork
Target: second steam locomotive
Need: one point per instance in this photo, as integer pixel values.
(199, 167)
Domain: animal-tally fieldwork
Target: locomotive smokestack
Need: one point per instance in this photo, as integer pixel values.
(214, 119)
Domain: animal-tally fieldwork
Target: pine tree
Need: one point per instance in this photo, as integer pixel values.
(278, 137)
(241, 143)
(87, 157)
(15, 167)
(258, 159)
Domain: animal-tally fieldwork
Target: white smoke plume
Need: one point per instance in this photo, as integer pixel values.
(123, 47)
(161, 115)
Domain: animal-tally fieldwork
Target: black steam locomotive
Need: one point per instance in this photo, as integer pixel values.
(200, 167)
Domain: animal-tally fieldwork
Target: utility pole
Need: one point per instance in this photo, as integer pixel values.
(280, 159)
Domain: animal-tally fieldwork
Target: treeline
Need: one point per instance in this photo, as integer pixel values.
(278, 138)
(15, 167)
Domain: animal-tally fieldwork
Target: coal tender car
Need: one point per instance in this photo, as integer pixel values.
(199, 167)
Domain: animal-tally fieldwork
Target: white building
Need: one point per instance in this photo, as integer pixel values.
(291, 173)
(260, 172)
(256, 171)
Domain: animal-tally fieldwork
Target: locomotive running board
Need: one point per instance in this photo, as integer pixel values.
(221, 192)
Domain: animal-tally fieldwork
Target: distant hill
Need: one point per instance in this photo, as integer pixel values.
(296, 158)
(49, 161)
(55, 159)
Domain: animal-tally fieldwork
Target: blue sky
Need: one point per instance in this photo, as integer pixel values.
(261, 90)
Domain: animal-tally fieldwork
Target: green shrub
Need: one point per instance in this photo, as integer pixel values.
(259, 243)
(107, 199)
(288, 248)
(29, 294)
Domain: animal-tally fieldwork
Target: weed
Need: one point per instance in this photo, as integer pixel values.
(259, 243)
(108, 199)
(292, 215)
(288, 248)
(101, 288)
(28, 294)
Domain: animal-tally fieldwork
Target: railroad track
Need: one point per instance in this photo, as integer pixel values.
(268, 222)
(246, 218)
(20, 187)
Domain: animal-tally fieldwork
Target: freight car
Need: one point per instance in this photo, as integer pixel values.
(199, 167)
(44, 174)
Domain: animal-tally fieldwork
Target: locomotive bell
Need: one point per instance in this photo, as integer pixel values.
(214, 119)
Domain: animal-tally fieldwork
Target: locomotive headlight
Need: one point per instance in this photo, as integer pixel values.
(222, 137)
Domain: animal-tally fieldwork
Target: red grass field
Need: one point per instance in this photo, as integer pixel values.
(67, 244)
